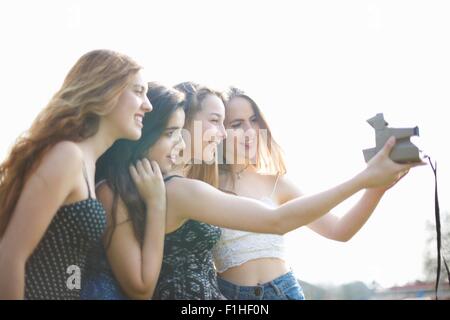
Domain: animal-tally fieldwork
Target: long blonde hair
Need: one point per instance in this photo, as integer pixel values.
(90, 90)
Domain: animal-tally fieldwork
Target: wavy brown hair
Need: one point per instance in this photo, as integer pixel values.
(195, 94)
(90, 90)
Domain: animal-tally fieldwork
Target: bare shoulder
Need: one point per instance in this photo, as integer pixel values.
(183, 191)
(181, 185)
(267, 181)
(285, 180)
(287, 189)
(65, 153)
(67, 149)
(63, 161)
(269, 178)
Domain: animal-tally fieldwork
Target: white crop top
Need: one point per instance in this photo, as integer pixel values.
(236, 247)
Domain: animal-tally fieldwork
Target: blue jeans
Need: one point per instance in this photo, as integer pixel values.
(285, 287)
(101, 286)
(99, 282)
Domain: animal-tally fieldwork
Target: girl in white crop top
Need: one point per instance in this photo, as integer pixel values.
(252, 265)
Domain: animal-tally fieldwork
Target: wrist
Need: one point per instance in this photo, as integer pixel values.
(156, 205)
(376, 192)
(360, 180)
(153, 198)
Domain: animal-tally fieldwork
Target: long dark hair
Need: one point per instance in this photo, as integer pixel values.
(113, 165)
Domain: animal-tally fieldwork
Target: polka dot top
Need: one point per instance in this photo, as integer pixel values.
(55, 268)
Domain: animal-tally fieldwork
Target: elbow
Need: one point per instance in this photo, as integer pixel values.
(338, 233)
(139, 296)
(343, 237)
(277, 225)
(141, 293)
(139, 290)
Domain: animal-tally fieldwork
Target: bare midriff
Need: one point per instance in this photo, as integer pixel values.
(255, 272)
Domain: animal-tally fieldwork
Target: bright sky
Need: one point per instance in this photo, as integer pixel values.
(318, 70)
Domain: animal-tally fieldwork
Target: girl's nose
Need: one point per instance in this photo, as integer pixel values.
(181, 145)
(222, 132)
(147, 106)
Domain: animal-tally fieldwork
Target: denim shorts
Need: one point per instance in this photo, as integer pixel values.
(285, 287)
(101, 286)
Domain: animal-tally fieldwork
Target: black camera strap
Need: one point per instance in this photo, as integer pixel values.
(438, 231)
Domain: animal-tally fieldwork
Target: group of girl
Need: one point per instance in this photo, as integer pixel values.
(157, 192)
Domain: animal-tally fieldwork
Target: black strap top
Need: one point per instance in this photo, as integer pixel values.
(187, 270)
(52, 270)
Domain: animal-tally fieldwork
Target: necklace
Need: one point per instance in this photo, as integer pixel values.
(238, 174)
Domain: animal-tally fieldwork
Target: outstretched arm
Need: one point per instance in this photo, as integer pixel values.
(192, 199)
(330, 225)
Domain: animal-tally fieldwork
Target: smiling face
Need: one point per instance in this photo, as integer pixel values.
(242, 125)
(210, 119)
(167, 148)
(125, 120)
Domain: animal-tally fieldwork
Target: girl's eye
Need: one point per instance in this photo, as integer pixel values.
(215, 120)
(254, 120)
(140, 90)
(170, 134)
(235, 125)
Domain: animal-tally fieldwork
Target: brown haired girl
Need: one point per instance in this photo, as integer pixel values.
(49, 216)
